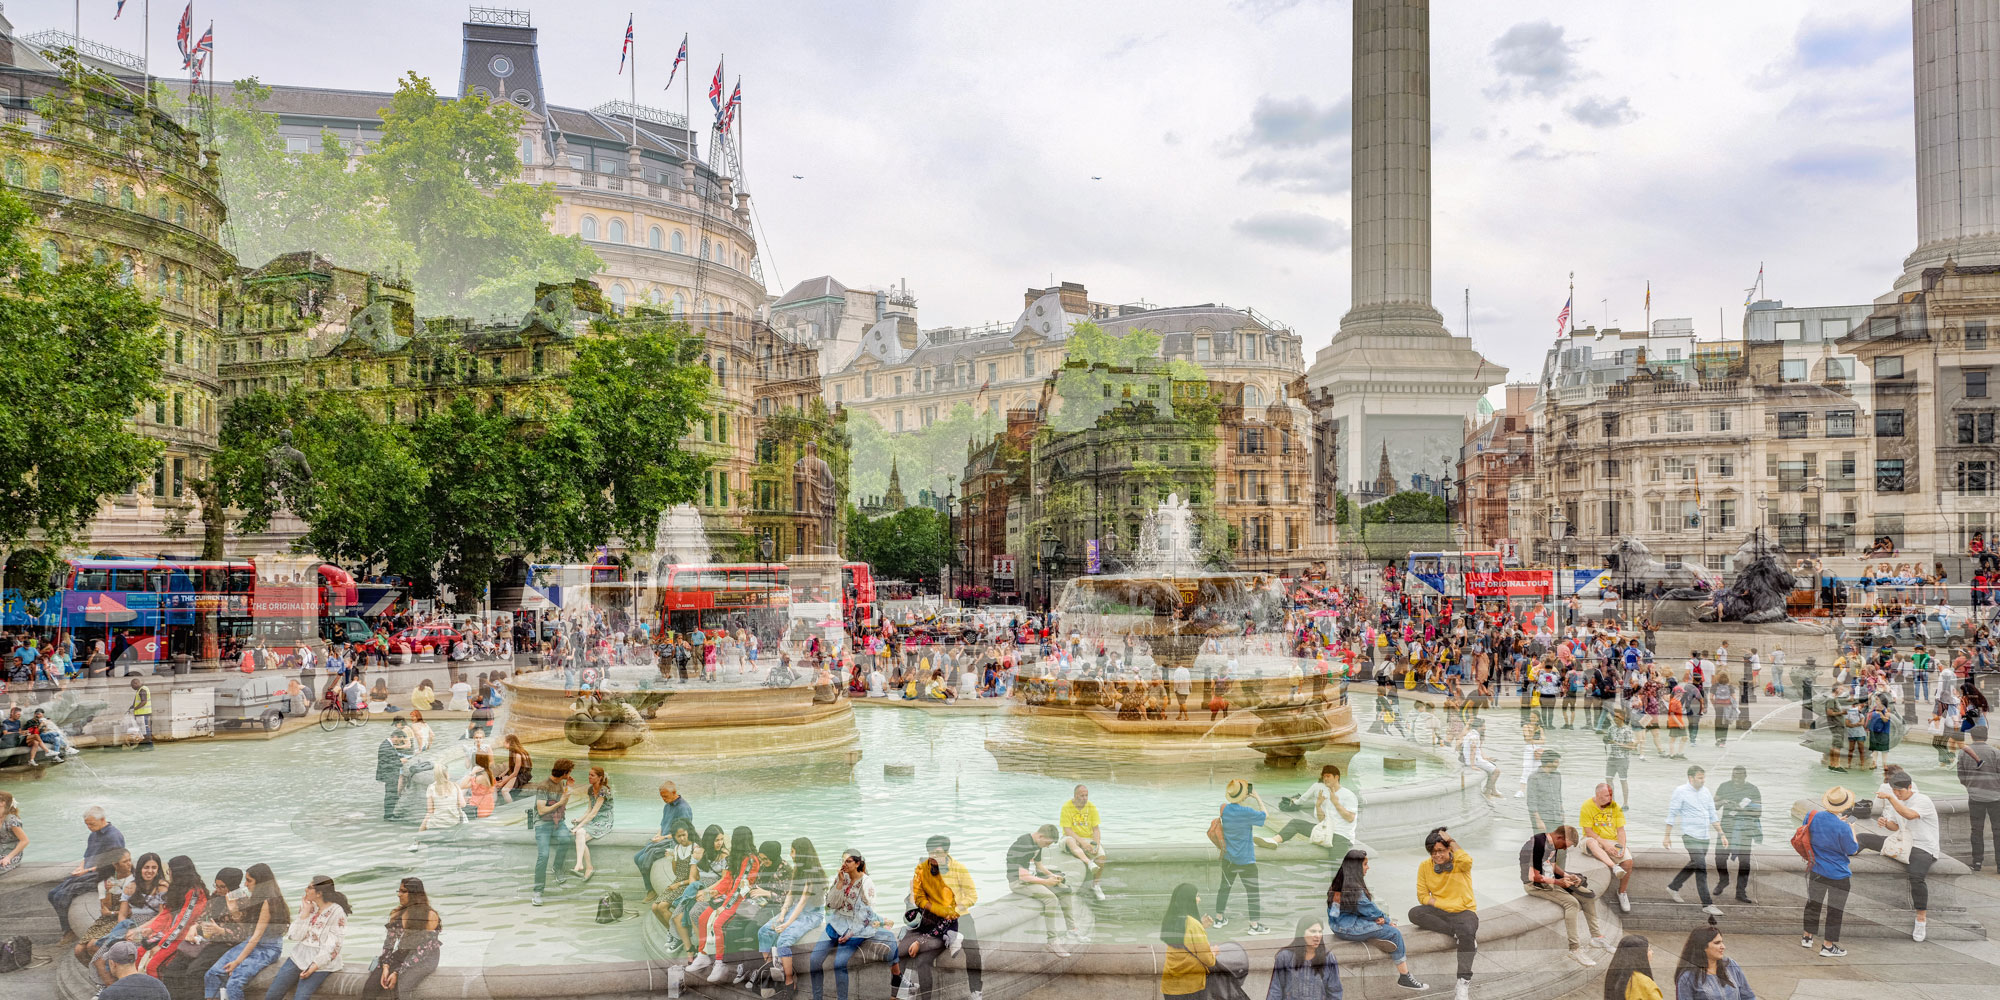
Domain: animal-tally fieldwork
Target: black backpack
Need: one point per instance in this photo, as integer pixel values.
(611, 908)
(16, 953)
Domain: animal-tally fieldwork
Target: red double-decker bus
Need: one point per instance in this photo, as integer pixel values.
(725, 596)
(857, 593)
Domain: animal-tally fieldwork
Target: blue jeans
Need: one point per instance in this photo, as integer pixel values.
(288, 977)
(67, 891)
(646, 857)
(230, 985)
(842, 951)
(770, 939)
(545, 838)
(1922, 685)
(1379, 932)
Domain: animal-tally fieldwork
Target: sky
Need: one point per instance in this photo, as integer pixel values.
(1180, 153)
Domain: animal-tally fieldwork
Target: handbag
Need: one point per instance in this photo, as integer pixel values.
(1896, 846)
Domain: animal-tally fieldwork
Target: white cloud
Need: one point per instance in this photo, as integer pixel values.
(1602, 112)
(1535, 56)
(1298, 230)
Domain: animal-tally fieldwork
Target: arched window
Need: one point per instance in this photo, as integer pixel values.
(618, 296)
(126, 199)
(17, 172)
(98, 258)
(679, 244)
(704, 248)
(587, 228)
(51, 180)
(653, 238)
(180, 285)
(680, 299)
(51, 256)
(654, 296)
(100, 192)
(615, 232)
(127, 271)
(1252, 396)
(160, 209)
(160, 279)
(180, 215)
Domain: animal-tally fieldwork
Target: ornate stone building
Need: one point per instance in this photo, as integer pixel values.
(668, 221)
(114, 181)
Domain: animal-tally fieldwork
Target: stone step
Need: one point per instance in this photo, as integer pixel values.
(1871, 921)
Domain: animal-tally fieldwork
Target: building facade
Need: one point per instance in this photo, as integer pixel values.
(1496, 474)
(116, 182)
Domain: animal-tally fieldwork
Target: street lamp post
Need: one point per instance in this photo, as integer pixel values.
(1050, 547)
(951, 533)
(1558, 532)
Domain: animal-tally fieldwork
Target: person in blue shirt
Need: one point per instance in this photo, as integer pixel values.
(676, 808)
(1829, 877)
(1239, 851)
(1353, 916)
(102, 847)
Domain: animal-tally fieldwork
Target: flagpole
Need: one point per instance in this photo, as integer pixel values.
(1572, 302)
(146, 47)
(687, 113)
(1649, 308)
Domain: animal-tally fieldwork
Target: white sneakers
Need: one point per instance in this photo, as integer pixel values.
(954, 941)
(1268, 841)
(1712, 910)
(1580, 957)
(1675, 895)
(1057, 947)
(717, 971)
(1463, 989)
(1624, 903)
(1603, 943)
(1918, 934)
(699, 962)
(1617, 870)
(908, 990)
(1097, 890)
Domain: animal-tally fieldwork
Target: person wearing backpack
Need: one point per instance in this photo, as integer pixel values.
(1878, 732)
(1826, 842)
(1979, 772)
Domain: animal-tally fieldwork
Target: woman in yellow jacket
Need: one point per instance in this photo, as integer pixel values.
(1189, 957)
(1631, 973)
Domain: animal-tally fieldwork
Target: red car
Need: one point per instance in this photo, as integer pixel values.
(433, 638)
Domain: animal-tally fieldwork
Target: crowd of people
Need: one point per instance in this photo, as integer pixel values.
(160, 931)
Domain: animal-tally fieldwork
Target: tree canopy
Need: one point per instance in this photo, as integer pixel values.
(928, 458)
(1407, 507)
(447, 172)
(80, 351)
(447, 499)
(911, 544)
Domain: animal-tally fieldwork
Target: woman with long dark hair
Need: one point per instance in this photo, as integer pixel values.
(851, 921)
(801, 910)
(711, 866)
(551, 798)
(1705, 972)
(140, 899)
(723, 900)
(1305, 969)
(1631, 973)
(1184, 930)
(263, 909)
(410, 947)
(316, 936)
(159, 938)
(594, 823)
(1353, 915)
(518, 772)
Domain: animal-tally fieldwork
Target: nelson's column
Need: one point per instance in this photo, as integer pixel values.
(1393, 377)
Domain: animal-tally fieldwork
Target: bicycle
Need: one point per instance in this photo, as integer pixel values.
(332, 714)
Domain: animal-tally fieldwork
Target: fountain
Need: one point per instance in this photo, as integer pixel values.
(1168, 604)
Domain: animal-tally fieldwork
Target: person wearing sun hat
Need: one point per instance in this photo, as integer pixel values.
(1829, 878)
(1241, 815)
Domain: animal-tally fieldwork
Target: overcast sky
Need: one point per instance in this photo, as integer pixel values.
(954, 145)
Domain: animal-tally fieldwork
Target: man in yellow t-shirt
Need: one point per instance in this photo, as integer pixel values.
(1603, 823)
(1444, 900)
(1083, 836)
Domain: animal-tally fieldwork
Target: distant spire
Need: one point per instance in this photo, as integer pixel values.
(893, 500)
(1385, 483)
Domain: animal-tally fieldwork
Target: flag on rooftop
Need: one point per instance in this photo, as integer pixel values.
(627, 50)
(679, 58)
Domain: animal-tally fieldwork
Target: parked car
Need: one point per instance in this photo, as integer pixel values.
(435, 637)
(345, 629)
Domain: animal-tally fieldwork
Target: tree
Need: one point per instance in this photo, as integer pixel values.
(280, 201)
(1407, 507)
(911, 544)
(80, 352)
(446, 170)
(447, 499)
(927, 458)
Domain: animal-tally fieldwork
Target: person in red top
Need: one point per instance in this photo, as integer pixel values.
(727, 895)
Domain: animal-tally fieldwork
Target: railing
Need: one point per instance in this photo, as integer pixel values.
(53, 39)
(628, 110)
(498, 15)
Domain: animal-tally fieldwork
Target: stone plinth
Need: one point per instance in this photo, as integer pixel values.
(695, 724)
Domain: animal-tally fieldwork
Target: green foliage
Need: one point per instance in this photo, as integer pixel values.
(280, 201)
(446, 170)
(926, 459)
(1407, 507)
(912, 544)
(447, 499)
(79, 354)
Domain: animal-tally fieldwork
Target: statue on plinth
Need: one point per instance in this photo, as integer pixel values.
(1758, 594)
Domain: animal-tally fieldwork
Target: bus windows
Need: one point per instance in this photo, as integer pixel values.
(91, 578)
(132, 580)
(242, 580)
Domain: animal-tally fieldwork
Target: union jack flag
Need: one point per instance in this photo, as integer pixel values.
(678, 59)
(202, 51)
(1562, 318)
(184, 37)
(116, 14)
(715, 90)
(627, 50)
(729, 110)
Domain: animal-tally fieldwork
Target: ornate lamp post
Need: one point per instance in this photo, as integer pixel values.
(1559, 531)
(1051, 546)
